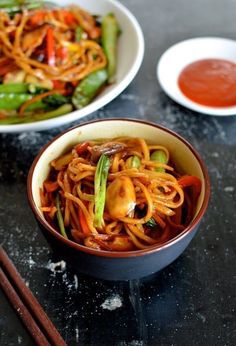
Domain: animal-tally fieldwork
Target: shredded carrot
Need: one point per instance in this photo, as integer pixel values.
(38, 98)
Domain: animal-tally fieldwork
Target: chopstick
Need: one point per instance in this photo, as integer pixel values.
(26, 305)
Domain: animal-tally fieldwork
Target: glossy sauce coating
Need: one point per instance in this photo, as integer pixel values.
(209, 82)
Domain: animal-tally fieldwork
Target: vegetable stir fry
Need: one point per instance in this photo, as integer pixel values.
(52, 60)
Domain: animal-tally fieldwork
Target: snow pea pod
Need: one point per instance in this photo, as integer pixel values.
(13, 101)
(88, 88)
(13, 7)
(110, 32)
(15, 88)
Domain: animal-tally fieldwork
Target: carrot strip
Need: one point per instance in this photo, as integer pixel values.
(38, 98)
(51, 54)
(84, 226)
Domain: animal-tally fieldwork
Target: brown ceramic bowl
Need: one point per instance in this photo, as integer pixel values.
(119, 265)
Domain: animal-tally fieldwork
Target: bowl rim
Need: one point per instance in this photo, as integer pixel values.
(97, 103)
(117, 254)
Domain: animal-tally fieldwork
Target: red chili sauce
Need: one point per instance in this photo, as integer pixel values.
(209, 82)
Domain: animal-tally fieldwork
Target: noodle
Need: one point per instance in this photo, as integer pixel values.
(143, 206)
(55, 49)
(68, 72)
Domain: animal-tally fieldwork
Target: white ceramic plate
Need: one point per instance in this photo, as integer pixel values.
(130, 56)
(180, 55)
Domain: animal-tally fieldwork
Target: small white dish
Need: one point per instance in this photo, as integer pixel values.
(130, 55)
(177, 57)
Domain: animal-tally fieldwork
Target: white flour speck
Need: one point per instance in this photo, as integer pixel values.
(215, 154)
(77, 334)
(112, 303)
(19, 339)
(76, 281)
(229, 189)
(57, 267)
(31, 262)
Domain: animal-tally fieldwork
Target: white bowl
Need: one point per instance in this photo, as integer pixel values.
(173, 61)
(130, 56)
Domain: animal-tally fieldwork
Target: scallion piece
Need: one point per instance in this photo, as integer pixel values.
(60, 218)
(100, 181)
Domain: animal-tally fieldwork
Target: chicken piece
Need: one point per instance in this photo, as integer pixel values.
(34, 39)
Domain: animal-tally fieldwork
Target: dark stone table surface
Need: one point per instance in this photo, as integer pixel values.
(192, 301)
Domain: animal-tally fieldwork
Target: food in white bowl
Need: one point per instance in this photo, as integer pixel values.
(134, 250)
(61, 62)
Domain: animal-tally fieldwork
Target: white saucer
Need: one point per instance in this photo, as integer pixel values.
(180, 55)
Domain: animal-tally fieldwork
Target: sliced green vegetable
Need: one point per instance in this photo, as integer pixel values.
(88, 88)
(67, 108)
(151, 223)
(36, 89)
(78, 34)
(133, 162)
(13, 101)
(100, 180)
(159, 156)
(15, 88)
(110, 32)
(60, 218)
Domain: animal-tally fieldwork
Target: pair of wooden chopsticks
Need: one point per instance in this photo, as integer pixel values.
(26, 305)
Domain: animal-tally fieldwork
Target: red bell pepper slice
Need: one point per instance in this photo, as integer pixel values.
(191, 181)
(51, 56)
(81, 148)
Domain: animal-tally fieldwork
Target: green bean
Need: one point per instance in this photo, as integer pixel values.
(159, 156)
(15, 88)
(60, 218)
(100, 189)
(67, 108)
(88, 88)
(110, 31)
